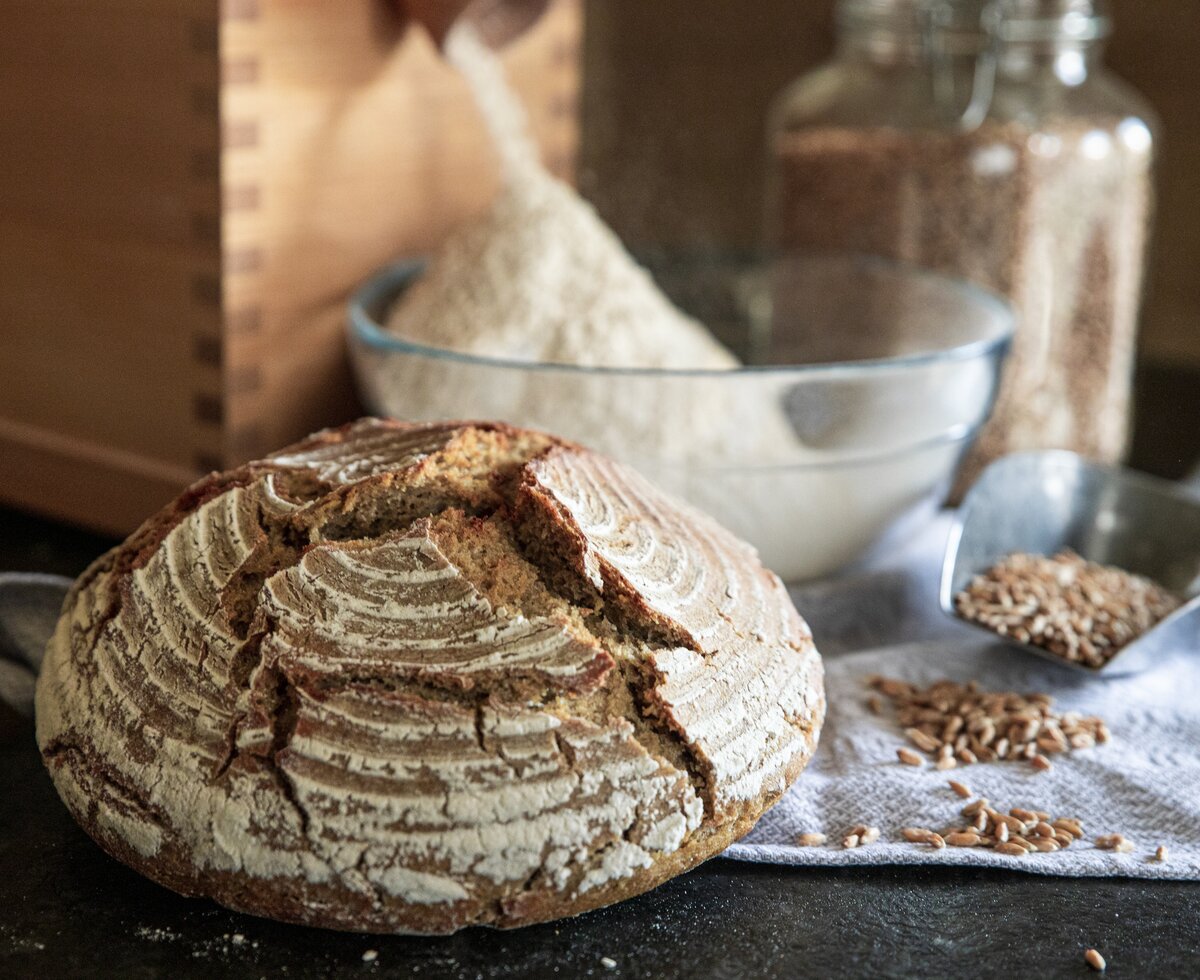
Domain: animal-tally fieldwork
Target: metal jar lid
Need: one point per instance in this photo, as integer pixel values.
(950, 30)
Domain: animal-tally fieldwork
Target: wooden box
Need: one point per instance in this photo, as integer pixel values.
(189, 189)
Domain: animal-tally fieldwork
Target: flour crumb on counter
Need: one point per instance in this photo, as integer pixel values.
(156, 935)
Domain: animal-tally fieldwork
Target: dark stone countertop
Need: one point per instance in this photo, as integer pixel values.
(67, 910)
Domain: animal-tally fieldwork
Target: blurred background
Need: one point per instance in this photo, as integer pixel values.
(190, 191)
(675, 96)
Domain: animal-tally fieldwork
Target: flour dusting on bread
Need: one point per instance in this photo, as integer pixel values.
(410, 678)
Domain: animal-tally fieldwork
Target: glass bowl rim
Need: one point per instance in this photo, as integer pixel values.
(961, 434)
(398, 276)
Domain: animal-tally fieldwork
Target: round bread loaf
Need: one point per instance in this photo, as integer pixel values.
(406, 678)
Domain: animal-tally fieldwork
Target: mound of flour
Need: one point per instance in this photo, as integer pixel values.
(540, 278)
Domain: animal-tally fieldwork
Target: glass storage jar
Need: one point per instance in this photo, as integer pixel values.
(986, 140)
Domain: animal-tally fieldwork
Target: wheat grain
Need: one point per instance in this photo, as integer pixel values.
(1075, 609)
(960, 724)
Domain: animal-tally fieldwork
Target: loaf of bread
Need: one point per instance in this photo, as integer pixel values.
(407, 678)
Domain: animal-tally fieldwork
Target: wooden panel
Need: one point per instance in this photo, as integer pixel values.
(189, 190)
(102, 340)
(84, 125)
(109, 265)
(359, 145)
(79, 481)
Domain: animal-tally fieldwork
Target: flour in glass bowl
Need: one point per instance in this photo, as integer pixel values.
(540, 278)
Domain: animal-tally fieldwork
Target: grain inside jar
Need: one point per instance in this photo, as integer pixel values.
(1042, 194)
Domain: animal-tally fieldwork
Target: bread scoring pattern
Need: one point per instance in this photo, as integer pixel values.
(734, 691)
(341, 685)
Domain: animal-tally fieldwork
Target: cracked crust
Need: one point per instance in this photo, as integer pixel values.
(411, 678)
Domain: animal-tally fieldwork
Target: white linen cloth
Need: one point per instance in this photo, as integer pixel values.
(1144, 784)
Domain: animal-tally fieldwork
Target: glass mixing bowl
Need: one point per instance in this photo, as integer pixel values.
(877, 378)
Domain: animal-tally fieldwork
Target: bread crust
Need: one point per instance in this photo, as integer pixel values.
(409, 678)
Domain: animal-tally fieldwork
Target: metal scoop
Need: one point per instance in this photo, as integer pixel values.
(1041, 503)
